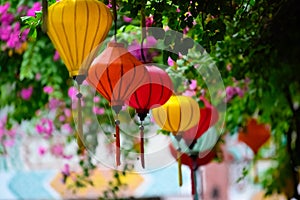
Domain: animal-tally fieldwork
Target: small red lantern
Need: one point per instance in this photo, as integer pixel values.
(255, 135)
(156, 91)
(116, 74)
(209, 116)
(194, 161)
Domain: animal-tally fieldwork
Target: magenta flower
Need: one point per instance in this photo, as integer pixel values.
(54, 103)
(66, 170)
(239, 91)
(61, 118)
(56, 56)
(36, 7)
(26, 93)
(72, 92)
(7, 18)
(48, 89)
(98, 111)
(45, 127)
(67, 112)
(230, 92)
(4, 8)
(170, 61)
(149, 21)
(38, 76)
(41, 150)
(193, 85)
(96, 99)
(66, 128)
(57, 150)
(127, 19)
(5, 31)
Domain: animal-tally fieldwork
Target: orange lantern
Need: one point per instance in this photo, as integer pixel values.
(255, 135)
(116, 74)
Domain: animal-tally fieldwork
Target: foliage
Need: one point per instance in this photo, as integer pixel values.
(254, 43)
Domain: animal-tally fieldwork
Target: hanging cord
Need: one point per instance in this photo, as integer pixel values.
(114, 6)
(79, 136)
(142, 144)
(143, 27)
(45, 15)
(118, 156)
(178, 138)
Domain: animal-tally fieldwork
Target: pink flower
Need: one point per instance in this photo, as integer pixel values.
(4, 8)
(61, 118)
(189, 93)
(193, 85)
(96, 99)
(57, 150)
(48, 89)
(26, 93)
(41, 150)
(56, 56)
(67, 112)
(38, 76)
(98, 111)
(127, 19)
(149, 21)
(66, 128)
(36, 7)
(230, 92)
(170, 61)
(239, 91)
(45, 127)
(66, 170)
(9, 143)
(54, 103)
(72, 92)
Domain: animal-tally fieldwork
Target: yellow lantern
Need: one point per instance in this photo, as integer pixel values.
(76, 28)
(178, 114)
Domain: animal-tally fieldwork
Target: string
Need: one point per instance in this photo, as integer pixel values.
(45, 15)
(143, 26)
(179, 168)
(118, 156)
(142, 144)
(114, 5)
(80, 129)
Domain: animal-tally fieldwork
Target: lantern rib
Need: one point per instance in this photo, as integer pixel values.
(150, 91)
(180, 115)
(190, 120)
(162, 124)
(59, 44)
(86, 29)
(75, 30)
(128, 85)
(137, 100)
(169, 122)
(97, 29)
(109, 81)
(162, 89)
(120, 82)
(67, 41)
(106, 95)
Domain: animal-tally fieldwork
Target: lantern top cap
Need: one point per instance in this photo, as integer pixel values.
(115, 44)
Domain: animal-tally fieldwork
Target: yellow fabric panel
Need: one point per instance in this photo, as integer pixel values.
(76, 28)
(179, 113)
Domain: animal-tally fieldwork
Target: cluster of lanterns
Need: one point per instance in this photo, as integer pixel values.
(76, 28)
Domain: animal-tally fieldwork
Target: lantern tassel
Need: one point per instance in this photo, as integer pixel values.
(118, 159)
(79, 121)
(142, 145)
(179, 168)
(193, 168)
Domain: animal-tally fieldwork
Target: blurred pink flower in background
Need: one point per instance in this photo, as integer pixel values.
(42, 150)
(98, 110)
(56, 56)
(45, 127)
(170, 61)
(48, 89)
(26, 93)
(127, 19)
(36, 7)
(66, 128)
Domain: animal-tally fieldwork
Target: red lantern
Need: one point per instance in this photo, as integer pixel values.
(116, 74)
(255, 135)
(209, 116)
(156, 91)
(193, 161)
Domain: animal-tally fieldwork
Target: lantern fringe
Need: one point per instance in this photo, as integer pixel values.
(79, 121)
(118, 157)
(142, 145)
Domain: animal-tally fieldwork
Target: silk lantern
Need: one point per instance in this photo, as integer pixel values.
(116, 74)
(209, 116)
(178, 114)
(255, 135)
(193, 161)
(76, 28)
(200, 151)
(156, 91)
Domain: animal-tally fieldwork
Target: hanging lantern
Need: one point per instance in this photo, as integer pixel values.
(116, 74)
(178, 114)
(193, 161)
(76, 28)
(156, 91)
(209, 116)
(199, 154)
(255, 135)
